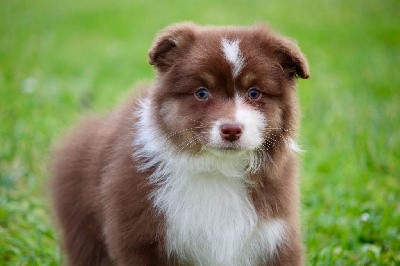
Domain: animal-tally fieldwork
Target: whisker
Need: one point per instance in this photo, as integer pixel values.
(187, 144)
(183, 131)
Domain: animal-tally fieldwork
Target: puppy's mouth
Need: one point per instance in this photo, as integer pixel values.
(225, 152)
(227, 148)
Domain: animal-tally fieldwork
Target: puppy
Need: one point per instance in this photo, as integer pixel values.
(198, 170)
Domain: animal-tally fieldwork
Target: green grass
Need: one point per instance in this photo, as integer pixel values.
(60, 59)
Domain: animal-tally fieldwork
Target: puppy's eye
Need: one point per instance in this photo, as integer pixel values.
(202, 94)
(254, 93)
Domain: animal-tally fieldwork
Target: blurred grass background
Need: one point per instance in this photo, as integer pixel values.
(60, 59)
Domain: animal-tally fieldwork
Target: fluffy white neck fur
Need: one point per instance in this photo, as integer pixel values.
(209, 216)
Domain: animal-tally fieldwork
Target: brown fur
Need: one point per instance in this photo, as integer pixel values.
(102, 201)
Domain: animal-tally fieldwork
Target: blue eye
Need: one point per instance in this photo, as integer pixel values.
(202, 94)
(254, 93)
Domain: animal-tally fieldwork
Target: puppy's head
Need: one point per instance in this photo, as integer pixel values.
(225, 88)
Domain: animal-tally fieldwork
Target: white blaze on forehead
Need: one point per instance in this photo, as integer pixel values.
(233, 55)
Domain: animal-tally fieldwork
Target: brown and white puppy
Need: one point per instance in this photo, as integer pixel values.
(201, 168)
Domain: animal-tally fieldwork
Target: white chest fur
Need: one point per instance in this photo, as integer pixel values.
(211, 221)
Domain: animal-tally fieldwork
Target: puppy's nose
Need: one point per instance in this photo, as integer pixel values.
(230, 131)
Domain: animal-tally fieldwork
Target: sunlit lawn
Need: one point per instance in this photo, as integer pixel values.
(61, 59)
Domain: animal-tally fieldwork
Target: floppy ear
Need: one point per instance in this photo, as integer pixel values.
(170, 45)
(292, 60)
(285, 50)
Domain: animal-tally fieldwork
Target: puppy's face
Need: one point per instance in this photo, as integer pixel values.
(225, 89)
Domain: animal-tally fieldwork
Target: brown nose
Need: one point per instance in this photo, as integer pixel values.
(230, 131)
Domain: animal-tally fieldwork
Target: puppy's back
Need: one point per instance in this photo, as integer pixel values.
(75, 194)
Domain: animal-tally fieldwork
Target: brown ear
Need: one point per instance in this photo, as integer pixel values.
(285, 50)
(291, 58)
(170, 45)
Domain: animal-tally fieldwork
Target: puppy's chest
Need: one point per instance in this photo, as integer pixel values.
(211, 221)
